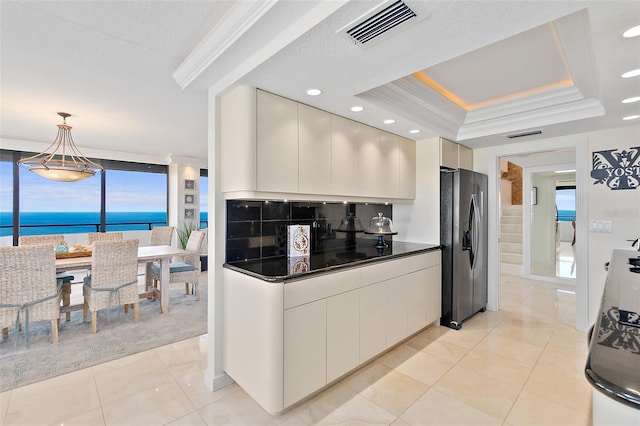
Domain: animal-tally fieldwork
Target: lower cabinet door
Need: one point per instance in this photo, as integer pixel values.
(396, 309)
(373, 320)
(434, 293)
(417, 295)
(343, 331)
(305, 350)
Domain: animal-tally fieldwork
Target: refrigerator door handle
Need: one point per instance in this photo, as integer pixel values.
(474, 223)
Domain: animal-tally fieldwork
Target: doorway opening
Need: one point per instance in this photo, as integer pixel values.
(539, 203)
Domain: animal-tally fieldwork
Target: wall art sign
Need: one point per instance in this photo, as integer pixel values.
(617, 169)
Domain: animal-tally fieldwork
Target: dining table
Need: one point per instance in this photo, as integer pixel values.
(146, 254)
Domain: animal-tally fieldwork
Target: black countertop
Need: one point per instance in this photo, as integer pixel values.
(613, 364)
(277, 269)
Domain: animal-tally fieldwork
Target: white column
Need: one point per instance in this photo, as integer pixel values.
(215, 377)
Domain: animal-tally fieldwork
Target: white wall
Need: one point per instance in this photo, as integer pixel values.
(621, 207)
(420, 222)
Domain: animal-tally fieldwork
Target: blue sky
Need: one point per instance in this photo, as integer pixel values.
(566, 199)
(126, 191)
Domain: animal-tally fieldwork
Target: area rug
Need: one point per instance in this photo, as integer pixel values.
(117, 336)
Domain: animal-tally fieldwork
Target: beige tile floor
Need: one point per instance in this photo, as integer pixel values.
(519, 366)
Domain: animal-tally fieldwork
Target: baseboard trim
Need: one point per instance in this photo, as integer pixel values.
(218, 382)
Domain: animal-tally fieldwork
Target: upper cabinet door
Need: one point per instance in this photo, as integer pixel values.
(448, 154)
(389, 149)
(344, 156)
(371, 164)
(314, 144)
(406, 168)
(277, 143)
(465, 157)
(238, 134)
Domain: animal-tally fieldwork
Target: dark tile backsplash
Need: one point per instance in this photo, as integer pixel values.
(258, 229)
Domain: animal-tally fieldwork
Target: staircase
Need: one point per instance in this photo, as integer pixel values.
(511, 238)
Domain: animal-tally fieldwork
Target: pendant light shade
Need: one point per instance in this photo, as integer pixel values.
(62, 161)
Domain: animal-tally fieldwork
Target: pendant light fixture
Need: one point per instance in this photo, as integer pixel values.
(62, 161)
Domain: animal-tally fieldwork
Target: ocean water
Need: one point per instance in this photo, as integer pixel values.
(42, 223)
(566, 215)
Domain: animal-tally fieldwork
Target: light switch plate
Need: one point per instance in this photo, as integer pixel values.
(601, 226)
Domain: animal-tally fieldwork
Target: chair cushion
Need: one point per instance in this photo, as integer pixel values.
(175, 267)
(65, 277)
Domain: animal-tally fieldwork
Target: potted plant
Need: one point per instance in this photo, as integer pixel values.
(185, 232)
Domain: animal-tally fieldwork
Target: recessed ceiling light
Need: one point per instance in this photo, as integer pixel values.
(631, 100)
(414, 131)
(357, 108)
(632, 32)
(389, 121)
(631, 117)
(632, 73)
(314, 92)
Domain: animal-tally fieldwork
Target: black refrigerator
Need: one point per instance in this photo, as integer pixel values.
(463, 237)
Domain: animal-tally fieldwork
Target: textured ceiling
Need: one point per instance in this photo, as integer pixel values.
(110, 65)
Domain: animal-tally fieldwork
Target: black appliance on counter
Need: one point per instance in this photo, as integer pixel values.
(463, 237)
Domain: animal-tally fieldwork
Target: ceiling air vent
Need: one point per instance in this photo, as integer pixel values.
(380, 22)
(521, 135)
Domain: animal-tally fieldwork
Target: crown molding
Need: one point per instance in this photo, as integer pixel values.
(556, 114)
(241, 17)
(546, 99)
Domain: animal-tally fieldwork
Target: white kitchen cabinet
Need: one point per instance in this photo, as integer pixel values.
(448, 154)
(273, 145)
(455, 156)
(396, 309)
(465, 157)
(238, 133)
(344, 156)
(370, 162)
(305, 350)
(389, 166)
(314, 150)
(434, 293)
(277, 143)
(373, 320)
(283, 341)
(418, 299)
(406, 168)
(343, 331)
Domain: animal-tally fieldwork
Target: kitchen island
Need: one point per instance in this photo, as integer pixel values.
(613, 364)
(288, 335)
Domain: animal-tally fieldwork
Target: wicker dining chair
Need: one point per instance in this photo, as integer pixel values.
(113, 280)
(65, 277)
(28, 287)
(161, 235)
(103, 236)
(187, 271)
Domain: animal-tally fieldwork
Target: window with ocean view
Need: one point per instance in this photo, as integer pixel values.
(50, 207)
(566, 203)
(6, 194)
(135, 200)
(204, 199)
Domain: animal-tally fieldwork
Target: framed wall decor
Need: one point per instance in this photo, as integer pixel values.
(189, 213)
(189, 199)
(189, 184)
